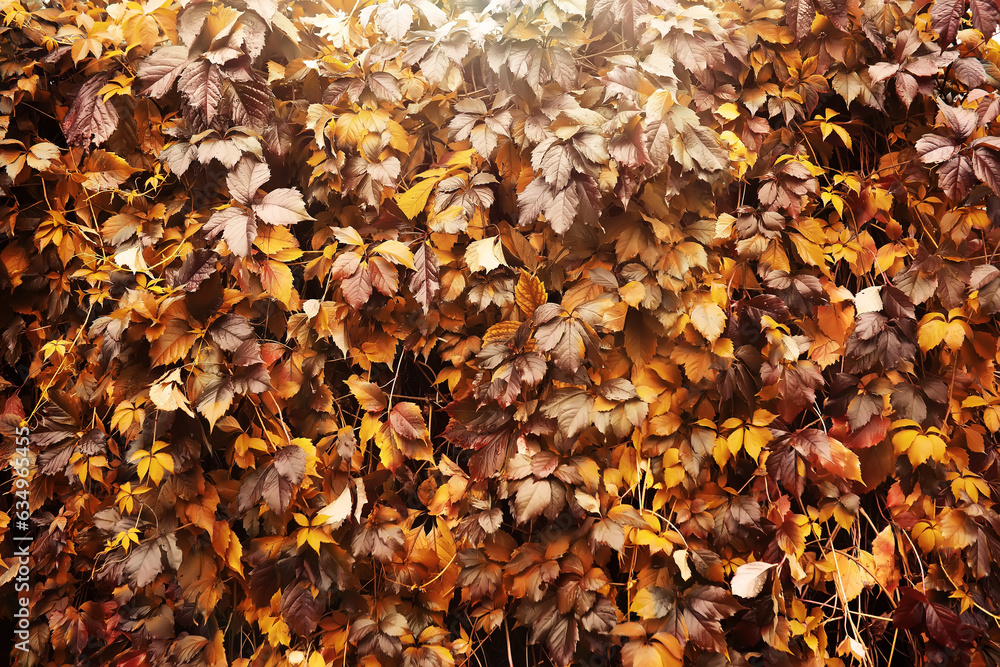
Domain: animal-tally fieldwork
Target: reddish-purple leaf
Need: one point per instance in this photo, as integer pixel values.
(985, 16)
(385, 276)
(942, 624)
(934, 148)
(563, 636)
(909, 613)
(946, 17)
(201, 85)
(290, 463)
(299, 608)
(358, 287)
(230, 331)
(969, 71)
(962, 121)
(906, 87)
(869, 435)
(238, 227)
(956, 177)
(160, 69)
(881, 71)
(247, 176)
(250, 101)
(426, 281)
(197, 266)
(986, 164)
(90, 118)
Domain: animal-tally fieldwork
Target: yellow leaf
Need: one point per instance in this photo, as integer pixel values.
(529, 293)
(931, 332)
(847, 576)
(632, 293)
(397, 252)
(954, 334)
(103, 170)
(709, 320)
(729, 111)
(844, 136)
(461, 159)
(918, 446)
(636, 654)
(749, 438)
(277, 243)
(809, 252)
(276, 278)
(884, 553)
(413, 201)
(650, 603)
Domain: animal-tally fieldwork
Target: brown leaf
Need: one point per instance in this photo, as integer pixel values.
(799, 15)
(986, 164)
(358, 286)
(283, 206)
(215, 398)
(425, 282)
(197, 266)
(247, 176)
(407, 421)
(946, 17)
(230, 331)
(144, 562)
(104, 170)
(290, 463)
(201, 85)
(299, 608)
(985, 16)
(529, 293)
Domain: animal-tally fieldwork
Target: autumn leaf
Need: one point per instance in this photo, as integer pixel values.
(485, 255)
(105, 171)
(413, 201)
(799, 15)
(90, 118)
(529, 293)
(945, 18)
(709, 319)
(283, 206)
(246, 178)
(426, 281)
(167, 395)
(749, 579)
(215, 398)
(369, 396)
(154, 462)
(412, 327)
(201, 85)
(238, 228)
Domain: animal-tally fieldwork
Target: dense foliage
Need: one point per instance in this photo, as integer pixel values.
(634, 332)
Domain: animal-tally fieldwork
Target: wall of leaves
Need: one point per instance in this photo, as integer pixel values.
(639, 332)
